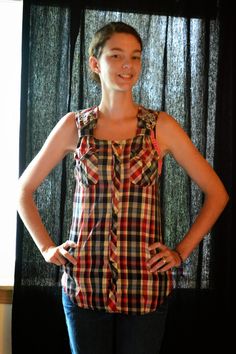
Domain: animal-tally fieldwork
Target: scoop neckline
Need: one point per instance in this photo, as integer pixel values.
(119, 141)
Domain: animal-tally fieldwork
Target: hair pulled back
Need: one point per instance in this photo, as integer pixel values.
(104, 34)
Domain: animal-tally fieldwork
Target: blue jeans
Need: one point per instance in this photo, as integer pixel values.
(98, 332)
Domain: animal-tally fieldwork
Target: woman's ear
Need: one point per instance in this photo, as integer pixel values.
(94, 65)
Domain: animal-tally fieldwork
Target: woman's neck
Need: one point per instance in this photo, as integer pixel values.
(118, 105)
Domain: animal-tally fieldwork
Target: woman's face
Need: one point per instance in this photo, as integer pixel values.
(119, 65)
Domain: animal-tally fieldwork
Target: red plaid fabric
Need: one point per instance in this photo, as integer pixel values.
(116, 216)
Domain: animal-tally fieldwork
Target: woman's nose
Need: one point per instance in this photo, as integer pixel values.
(126, 65)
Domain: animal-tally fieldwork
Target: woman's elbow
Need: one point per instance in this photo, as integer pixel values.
(225, 198)
(24, 192)
(221, 197)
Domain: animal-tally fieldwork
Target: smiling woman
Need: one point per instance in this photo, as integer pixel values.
(179, 74)
(10, 64)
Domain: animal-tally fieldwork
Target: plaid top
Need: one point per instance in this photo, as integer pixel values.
(116, 216)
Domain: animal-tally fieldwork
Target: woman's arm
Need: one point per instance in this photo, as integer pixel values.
(61, 141)
(174, 140)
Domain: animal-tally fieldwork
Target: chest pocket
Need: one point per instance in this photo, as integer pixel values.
(86, 169)
(143, 167)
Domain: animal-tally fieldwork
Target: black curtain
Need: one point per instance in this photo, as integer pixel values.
(202, 300)
(224, 240)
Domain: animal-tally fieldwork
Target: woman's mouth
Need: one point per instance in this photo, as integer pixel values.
(126, 76)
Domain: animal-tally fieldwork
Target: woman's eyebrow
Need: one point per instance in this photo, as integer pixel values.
(121, 50)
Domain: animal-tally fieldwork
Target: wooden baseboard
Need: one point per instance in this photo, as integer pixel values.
(6, 294)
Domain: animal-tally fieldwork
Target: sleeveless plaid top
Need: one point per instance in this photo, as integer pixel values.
(116, 216)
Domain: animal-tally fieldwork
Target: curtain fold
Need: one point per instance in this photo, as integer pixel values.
(179, 76)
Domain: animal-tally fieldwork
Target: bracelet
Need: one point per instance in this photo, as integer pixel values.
(179, 254)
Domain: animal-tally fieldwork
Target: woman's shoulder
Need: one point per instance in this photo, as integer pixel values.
(67, 122)
(169, 131)
(78, 119)
(64, 133)
(162, 117)
(166, 121)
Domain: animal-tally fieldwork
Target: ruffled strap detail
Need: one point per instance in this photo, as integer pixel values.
(155, 144)
(149, 118)
(86, 120)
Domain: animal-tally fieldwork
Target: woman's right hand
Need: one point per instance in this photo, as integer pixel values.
(60, 255)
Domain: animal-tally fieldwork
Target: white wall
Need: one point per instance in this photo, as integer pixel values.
(5, 328)
(10, 65)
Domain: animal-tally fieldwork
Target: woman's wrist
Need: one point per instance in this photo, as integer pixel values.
(180, 257)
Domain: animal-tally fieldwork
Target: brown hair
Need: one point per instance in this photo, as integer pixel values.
(104, 33)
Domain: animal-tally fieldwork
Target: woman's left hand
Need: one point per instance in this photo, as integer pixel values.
(164, 258)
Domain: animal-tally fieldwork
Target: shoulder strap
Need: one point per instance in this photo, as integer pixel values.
(155, 144)
(85, 120)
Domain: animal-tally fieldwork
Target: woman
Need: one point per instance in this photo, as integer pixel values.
(117, 270)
